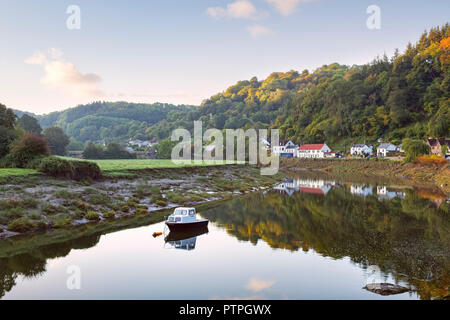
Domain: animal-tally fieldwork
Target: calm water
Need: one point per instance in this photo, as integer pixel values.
(306, 239)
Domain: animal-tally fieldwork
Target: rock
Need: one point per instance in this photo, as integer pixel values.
(385, 289)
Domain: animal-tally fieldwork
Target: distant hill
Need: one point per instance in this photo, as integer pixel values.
(111, 121)
(21, 113)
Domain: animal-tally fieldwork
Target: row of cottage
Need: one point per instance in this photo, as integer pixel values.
(291, 150)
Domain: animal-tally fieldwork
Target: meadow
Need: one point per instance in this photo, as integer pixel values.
(139, 164)
(7, 172)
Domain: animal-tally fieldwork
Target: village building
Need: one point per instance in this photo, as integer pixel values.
(384, 149)
(436, 146)
(284, 147)
(360, 150)
(313, 151)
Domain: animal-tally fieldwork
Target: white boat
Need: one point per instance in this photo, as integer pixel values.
(183, 219)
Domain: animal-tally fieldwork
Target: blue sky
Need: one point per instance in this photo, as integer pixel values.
(186, 51)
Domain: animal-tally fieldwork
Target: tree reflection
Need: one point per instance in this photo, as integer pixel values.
(407, 237)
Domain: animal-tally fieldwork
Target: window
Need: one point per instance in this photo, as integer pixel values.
(192, 212)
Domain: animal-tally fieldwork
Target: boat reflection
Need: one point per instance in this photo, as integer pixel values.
(184, 240)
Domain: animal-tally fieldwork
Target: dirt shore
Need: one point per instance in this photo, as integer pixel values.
(36, 203)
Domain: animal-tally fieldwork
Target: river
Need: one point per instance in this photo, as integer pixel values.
(308, 238)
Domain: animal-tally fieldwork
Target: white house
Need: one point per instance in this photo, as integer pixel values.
(384, 148)
(360, 149)
(139, 143)
(313, 150)
(284, 147)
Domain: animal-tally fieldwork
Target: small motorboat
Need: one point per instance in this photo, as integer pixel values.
(183, 219)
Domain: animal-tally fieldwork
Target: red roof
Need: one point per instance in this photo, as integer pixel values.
(311, 146)
(311, 190)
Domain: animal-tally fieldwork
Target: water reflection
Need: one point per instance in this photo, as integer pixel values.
(184, 240)
(405, 235)
(403, 232)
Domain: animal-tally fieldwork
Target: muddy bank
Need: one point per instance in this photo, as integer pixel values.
(37, 203)
(404, 173)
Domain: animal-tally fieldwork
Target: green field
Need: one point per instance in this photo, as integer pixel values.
(137, 164)
(16, 172)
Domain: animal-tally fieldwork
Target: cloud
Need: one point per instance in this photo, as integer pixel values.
(64, 75)
(256, 285)
(286, 7)
(240, 9)
(258, 31)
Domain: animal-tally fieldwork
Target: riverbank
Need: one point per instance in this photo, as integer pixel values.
(408, 173)
(34, 203)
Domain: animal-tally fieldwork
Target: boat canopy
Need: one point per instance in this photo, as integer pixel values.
(184, 211)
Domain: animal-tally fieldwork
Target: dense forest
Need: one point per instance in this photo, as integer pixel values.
(407, 95)
(111, 121)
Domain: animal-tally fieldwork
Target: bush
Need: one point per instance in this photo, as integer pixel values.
(57, 167)
(125, 209)
(28, 147)
(433, 159)
(92, 215)
(85, 169)
(21, 225)
(161, 203)
(109, 214)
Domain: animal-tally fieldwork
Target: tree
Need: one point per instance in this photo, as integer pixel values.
(414, 148)
(75, 145)
(7, 132)
(28, 147)
(115, 151)
(165, 149)
(57, 140)
(93, 151)
(29, 124)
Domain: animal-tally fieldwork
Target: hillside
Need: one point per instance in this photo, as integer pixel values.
(111, 121)
(407, 95)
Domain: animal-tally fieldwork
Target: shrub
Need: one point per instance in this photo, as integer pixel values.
(161, 203)
(49, 209)
(56, 167)
(109, 214)
(92, 215)
(85, 169)
(99, 199)
(82, 205)
(433, 159)
(21, 225)
(125, 209)
(28, 147)
(77, 170)
(141, 211)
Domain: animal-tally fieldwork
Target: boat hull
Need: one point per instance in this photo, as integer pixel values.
(174, 226)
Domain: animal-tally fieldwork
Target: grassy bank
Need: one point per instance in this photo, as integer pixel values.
(438, 175)
(33, 203)
(139, 164)
(16, 172)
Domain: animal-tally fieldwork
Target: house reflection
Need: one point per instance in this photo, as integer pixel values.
(313, 186)
(184, 240)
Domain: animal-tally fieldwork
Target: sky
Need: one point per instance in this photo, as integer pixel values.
(183, 52)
